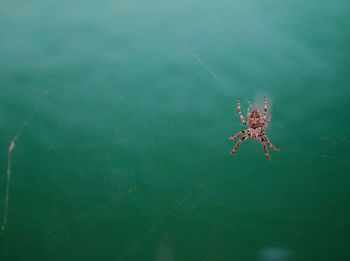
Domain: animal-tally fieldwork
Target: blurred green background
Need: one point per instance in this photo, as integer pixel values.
(124, 110)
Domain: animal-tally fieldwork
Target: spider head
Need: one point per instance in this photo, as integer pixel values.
(254, 119)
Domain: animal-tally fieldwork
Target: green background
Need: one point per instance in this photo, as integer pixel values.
(124, 110)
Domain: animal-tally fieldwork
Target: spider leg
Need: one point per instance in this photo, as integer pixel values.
(265, 149)
(268, 121)
(239, 143)
(265, 109)
(232, 138)
(240, 113)
(270, 144)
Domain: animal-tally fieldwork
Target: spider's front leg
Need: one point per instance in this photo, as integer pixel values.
(232, 138)
(265, 149)
(269, 142)
(240, 113)
(239, 143)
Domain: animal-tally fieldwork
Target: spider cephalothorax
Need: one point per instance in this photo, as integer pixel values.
(257, 125)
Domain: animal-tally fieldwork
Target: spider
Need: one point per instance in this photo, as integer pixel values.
(256, 128)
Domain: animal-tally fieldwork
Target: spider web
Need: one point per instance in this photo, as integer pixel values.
(126, 155)
(69, 181)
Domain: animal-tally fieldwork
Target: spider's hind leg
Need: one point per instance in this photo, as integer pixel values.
(265, 109)
(267, 122)
(239, 143)
(240, 113)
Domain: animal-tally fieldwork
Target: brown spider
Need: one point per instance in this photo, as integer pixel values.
(256, 128)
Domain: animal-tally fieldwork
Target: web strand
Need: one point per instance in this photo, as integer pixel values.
(9, 158)
(199, 59)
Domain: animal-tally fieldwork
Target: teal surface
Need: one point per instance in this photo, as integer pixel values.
(121, 113)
